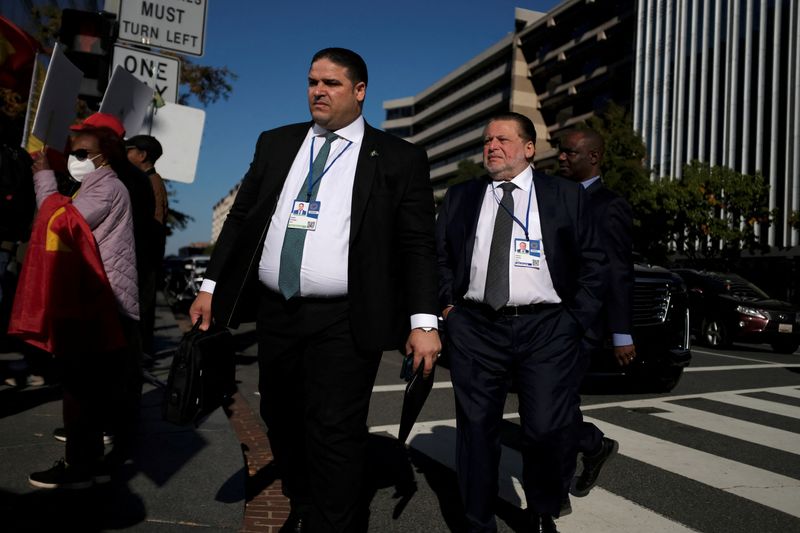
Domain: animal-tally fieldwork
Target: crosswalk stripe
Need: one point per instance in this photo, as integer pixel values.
(758, 404)
(792, 392)
(732, 427)
(604, 512)
(763, 487)
(402, 386)
(719, 368)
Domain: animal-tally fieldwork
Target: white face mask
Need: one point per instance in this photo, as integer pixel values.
(79, 169)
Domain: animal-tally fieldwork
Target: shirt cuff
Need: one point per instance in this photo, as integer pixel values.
(208, 286)
(422, 320)
(622, 339)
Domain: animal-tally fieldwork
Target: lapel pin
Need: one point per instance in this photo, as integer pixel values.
(373, 153)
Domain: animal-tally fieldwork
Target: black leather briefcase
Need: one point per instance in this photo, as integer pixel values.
(202, 376)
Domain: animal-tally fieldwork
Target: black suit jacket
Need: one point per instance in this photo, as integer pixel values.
(614, 221)
(572, 248)
(391, 263)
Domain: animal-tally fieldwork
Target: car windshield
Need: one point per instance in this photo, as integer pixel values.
(740, 288)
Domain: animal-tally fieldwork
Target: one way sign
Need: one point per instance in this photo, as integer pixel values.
(162, 73)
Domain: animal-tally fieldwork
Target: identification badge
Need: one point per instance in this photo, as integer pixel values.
(304, 215)
(527, 253)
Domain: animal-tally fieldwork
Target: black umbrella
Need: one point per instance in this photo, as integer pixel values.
(417, 392)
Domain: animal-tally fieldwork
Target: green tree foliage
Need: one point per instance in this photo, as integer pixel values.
(716, 211)
(710, 212)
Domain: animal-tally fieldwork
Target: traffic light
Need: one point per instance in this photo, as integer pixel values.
(89, 41)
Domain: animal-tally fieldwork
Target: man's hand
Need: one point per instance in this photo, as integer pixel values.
(625, 354)
(426, 348)
(201, 308)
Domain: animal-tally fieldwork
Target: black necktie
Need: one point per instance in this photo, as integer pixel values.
(496, 293)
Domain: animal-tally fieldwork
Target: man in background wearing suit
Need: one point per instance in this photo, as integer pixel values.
(513, 316)
(579, 160)
(328, 298)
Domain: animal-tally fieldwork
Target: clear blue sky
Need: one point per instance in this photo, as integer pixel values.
(268, 44)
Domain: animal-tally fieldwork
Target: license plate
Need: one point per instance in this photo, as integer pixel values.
(784, 328)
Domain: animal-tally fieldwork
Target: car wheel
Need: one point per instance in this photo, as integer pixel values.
(785, 346)
(714, 333)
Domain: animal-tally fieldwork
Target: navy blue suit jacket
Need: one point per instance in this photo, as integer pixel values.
(577, 263)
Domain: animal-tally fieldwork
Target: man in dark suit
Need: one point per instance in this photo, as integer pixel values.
(328, 298)
(579, 160)
(509, 317)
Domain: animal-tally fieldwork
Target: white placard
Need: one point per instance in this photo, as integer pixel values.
(179, 129)
(56, 110)
(128, 99)
(160, 72)
(178, 25)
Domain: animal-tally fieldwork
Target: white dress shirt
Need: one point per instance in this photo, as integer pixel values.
(526, 285)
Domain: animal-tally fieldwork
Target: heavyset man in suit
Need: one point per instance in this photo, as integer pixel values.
(329, 298)
(581, 153)
(515, 316)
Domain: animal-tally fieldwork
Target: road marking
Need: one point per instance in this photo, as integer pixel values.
(755, 484)
(758, 404)
(719, 368)
(728, 356)
(792, 391)
(604, 512)
(402, 386)
(730, 427)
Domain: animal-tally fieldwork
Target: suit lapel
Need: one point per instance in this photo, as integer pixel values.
(546, 202)
(472, 208)
(366, 167)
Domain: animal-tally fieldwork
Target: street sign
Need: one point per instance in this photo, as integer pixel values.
(177, 25)
(162, 73)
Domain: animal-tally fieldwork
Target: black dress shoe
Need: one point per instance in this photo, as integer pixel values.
(592, 465)
(543, 523)
(296, 523)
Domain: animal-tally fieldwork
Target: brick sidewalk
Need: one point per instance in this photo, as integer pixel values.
(266, 508)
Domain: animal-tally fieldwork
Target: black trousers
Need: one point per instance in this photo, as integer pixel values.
(540, 351)
(589, 436)
(101, 391)
(315, 387)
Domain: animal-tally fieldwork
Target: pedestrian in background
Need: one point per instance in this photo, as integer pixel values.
(99, 215)
(515, 316)
(329, 293)
(143, 151)
(580, 157)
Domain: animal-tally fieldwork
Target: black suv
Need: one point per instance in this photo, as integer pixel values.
(660, 332)
(726, 308)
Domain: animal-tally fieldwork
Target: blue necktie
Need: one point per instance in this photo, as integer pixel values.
(293, 241)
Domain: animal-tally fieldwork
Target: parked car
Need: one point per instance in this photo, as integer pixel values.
(727, 307)
(660, 332)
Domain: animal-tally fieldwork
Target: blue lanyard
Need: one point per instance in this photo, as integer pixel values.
(515, 219)
(311, 184)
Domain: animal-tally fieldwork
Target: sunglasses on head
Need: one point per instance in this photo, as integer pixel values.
(80, 154)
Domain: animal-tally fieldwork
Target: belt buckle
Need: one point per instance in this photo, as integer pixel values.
(514, 310)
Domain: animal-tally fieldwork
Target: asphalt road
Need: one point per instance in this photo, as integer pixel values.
(718, 454)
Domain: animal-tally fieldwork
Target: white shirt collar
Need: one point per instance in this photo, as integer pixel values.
(353, 132)
(522, 180)
(587, 183)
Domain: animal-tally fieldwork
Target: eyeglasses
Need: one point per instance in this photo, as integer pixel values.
(81, 154)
